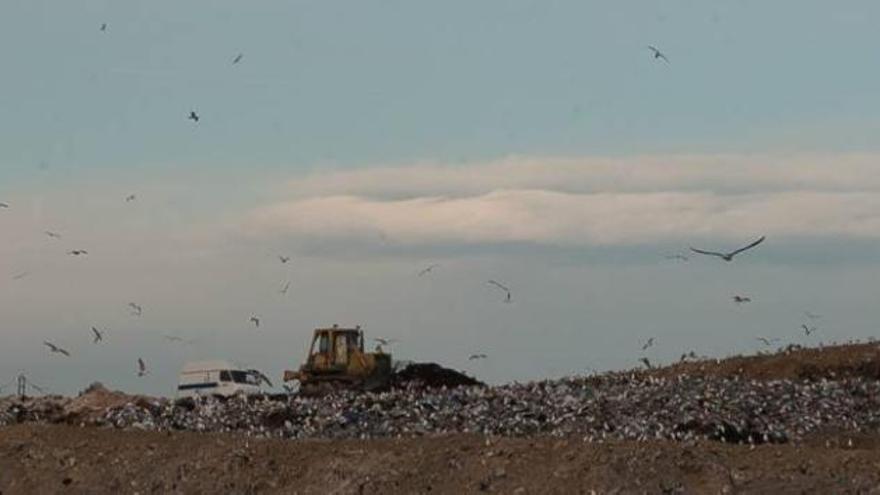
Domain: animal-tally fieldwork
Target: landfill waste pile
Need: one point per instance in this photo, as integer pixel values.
(611, 406)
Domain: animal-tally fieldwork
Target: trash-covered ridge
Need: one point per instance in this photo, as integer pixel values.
(614, 406)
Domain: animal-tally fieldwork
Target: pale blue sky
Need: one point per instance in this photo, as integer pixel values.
(766, 118)
(358, 83)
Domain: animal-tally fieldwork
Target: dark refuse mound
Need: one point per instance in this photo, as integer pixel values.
(431, 375)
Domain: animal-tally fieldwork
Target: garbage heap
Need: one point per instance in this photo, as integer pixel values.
(613, 406)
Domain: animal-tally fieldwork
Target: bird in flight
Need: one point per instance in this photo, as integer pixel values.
(104, 27)
(766, 341)
(658, 54)
(812, 316)
(238, 58)
(284, 259)
(808, 330)
(283, 290)
(130, 198)
(677, 256)
(502, 287)
(262, 377)
(4, 205)
(19, 276)
(142, 367)
(428, 270)
(382, 341)
(78, 252)
(645, 361)
(473, 357)
(742, 299)
(648, 343)
(193, 116)
(99, 336)
(54, 348)
(255, 320)
(729, 256)
(136, 309)
(53, 235)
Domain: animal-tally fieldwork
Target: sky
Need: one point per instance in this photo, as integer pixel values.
(538, 144)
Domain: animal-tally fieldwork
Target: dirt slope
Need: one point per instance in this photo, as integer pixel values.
(64, 459)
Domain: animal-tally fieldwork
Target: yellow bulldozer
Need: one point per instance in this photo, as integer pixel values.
(337, 360)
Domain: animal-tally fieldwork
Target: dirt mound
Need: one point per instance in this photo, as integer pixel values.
(64, 459)
(431, 375)
(792, 363)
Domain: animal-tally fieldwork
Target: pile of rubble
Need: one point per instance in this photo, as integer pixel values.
(612, 406)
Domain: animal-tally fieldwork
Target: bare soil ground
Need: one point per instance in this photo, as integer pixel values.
(57, 458)
(65, 459)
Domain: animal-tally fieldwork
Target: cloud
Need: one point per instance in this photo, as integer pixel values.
(573, 202)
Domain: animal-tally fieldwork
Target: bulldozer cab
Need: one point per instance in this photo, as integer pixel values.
(332, 348)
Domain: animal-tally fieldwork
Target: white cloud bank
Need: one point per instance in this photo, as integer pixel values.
(589, 201)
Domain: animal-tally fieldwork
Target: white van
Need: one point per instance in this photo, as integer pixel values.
(220, 378)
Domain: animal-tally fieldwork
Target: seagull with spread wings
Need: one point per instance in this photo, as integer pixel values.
(283, 290)
(428, 270)
(808, 330)
(766, 341)
(136, 309)
(130, 198)
(284, 259)
(193, 116)
(54, 348)
(658, 54)
(729, 256)
(648, 343)
(4, 205)
(78, 252)
(142, 367)
(382, 341)
(507, 299)
(99, 336)
(473, 357)
(237, 58)
(742, 299)
(255, 320)
(53, 235)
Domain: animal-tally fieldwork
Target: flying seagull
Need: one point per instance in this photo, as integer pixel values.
(238, 58)
(104, 26)
(767, 341)
(130, 198)
(142, 367)
(428, 270)
(54, 348)
(283, 290)
(647, 344)
(53, 235)
(99, 336)
(255, 320)
(382, 341)
(78, 252)
(136, 309)
(729, 256)
(742, 299)
(193, 116)
(284, 259)
(812, 316)
(808, 330)
(502, 287)
(677, 256)
(658, 54)
(477, 356)
(4, 205)
(645, 361)
(263, 378)
(19, 276)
